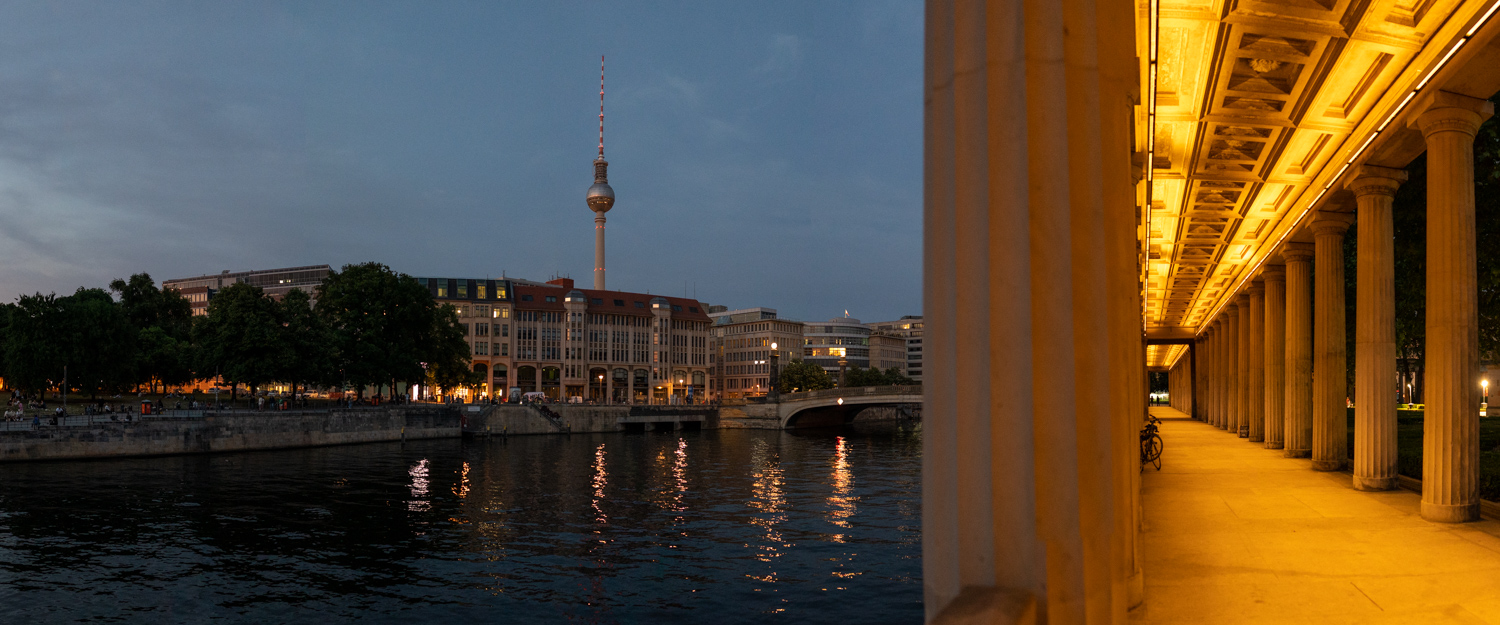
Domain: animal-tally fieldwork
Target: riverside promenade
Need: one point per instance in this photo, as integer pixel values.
(1236, 533)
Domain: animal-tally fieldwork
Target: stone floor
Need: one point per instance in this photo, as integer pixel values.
(1235, 533)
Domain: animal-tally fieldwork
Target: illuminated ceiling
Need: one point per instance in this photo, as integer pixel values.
(1260, 108)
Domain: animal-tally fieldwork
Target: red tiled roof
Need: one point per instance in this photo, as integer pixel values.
(539, 302)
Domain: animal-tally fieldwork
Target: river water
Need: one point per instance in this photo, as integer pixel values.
(733, 526)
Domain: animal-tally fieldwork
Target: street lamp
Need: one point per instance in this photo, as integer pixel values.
(775, 393)
(601, 388)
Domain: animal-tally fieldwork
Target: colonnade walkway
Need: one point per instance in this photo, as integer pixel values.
(1236, 533)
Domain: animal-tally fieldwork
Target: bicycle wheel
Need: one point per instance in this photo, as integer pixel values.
(1156, 447)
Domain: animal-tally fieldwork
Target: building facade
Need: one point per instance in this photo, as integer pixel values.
(599, 346)
(909, 328)
(275, 282)
(825, 343)
(743, 342)
(887, 351)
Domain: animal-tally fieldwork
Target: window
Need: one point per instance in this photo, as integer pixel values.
(640, 304)
(463, 289)
(676, 308)
(442, 291)
(692, 309)
(481, 329)
(504, 329)
(505, 349)
(479, 292)
(619, 302)
(598, 302)
(525, 298)
(551, 298)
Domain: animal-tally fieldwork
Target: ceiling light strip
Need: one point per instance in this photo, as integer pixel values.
(1389, 118)
(1150, 165)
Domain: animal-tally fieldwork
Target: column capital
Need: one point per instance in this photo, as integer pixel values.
(1445, 111)
(1326, 223)
(1375, 180)
(1295, 252)
(1257, 287)
(1273, 273)
(1231, 310)
(1243, 299)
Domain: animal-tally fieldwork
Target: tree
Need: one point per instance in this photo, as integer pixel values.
(306, 342)
(447, 353)
(873, 376)
(800, 376)
(241, 338)
(385, 325)
(163, 325)
(34, 355)
(99, 344)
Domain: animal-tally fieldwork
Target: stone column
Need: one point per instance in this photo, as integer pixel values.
(1242, 367)
(1450, 431)
(1299, 368)
(1256, 412)
(1375, 330)
(1231, 368)
(1274, 277)
(1330, 438)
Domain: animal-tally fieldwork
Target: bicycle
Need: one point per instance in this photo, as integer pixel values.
(1151, 444)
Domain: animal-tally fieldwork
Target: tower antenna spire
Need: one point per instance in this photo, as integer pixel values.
(601, 106)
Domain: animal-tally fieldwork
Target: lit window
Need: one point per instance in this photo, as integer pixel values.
(480, 291)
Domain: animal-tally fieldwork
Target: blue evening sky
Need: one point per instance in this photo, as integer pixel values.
(766, 153)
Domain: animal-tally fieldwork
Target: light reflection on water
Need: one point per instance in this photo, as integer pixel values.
(717, 526)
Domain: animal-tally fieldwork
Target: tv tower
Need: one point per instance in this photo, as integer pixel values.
(600, 196)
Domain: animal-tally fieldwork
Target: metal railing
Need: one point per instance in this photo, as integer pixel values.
(856, 391)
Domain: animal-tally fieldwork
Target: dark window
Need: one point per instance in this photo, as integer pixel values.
(640, 304)
(676, 308)
(598, 302)
(619, 302)
(525, 298)
(551, 298)
(692, 309)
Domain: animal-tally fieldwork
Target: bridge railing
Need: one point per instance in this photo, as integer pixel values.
(856, 391)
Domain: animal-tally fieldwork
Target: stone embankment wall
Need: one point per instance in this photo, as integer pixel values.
(511, 419)
(230, 431)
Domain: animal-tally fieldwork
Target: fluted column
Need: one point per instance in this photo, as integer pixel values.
(1274, 277)
(1256, 413)
(1299, 368)
(1231, 367)
(1330, 439)
(1242, 367)
(1375, 330)
(1450, 431)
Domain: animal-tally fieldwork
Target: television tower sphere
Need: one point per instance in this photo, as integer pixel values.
(600, 196)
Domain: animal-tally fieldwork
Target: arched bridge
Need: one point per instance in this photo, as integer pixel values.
(839, 405)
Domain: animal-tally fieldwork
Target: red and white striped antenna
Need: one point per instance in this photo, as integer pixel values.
(601, 106)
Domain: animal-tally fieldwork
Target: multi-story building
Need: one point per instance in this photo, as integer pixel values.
(887, 351)
(841, 338)
(275, 282)
(743, 341)
(601, 346)
(909, 328)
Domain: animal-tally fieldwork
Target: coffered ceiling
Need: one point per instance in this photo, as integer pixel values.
(1259, 106)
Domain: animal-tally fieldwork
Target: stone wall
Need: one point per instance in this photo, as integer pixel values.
(230, 431)
(511, 419)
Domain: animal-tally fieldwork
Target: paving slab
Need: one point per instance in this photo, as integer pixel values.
(1236, 533)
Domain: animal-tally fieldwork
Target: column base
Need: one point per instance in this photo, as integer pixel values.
(1136, 588)
(1244, 431)
(1298, 453)
(1374, 483)
(1327, 465)
(1273, 444)
(1446, 513)
(1257, 439)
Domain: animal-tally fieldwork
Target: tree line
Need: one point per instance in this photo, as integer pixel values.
(798, 376)
(365, 326)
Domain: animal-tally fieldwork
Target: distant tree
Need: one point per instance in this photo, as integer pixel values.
(34, 352)
(99, 343)
(241, 338)
(447, 353)
(162, 320)
(800, 376)
(383, 323)
(307, 342)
